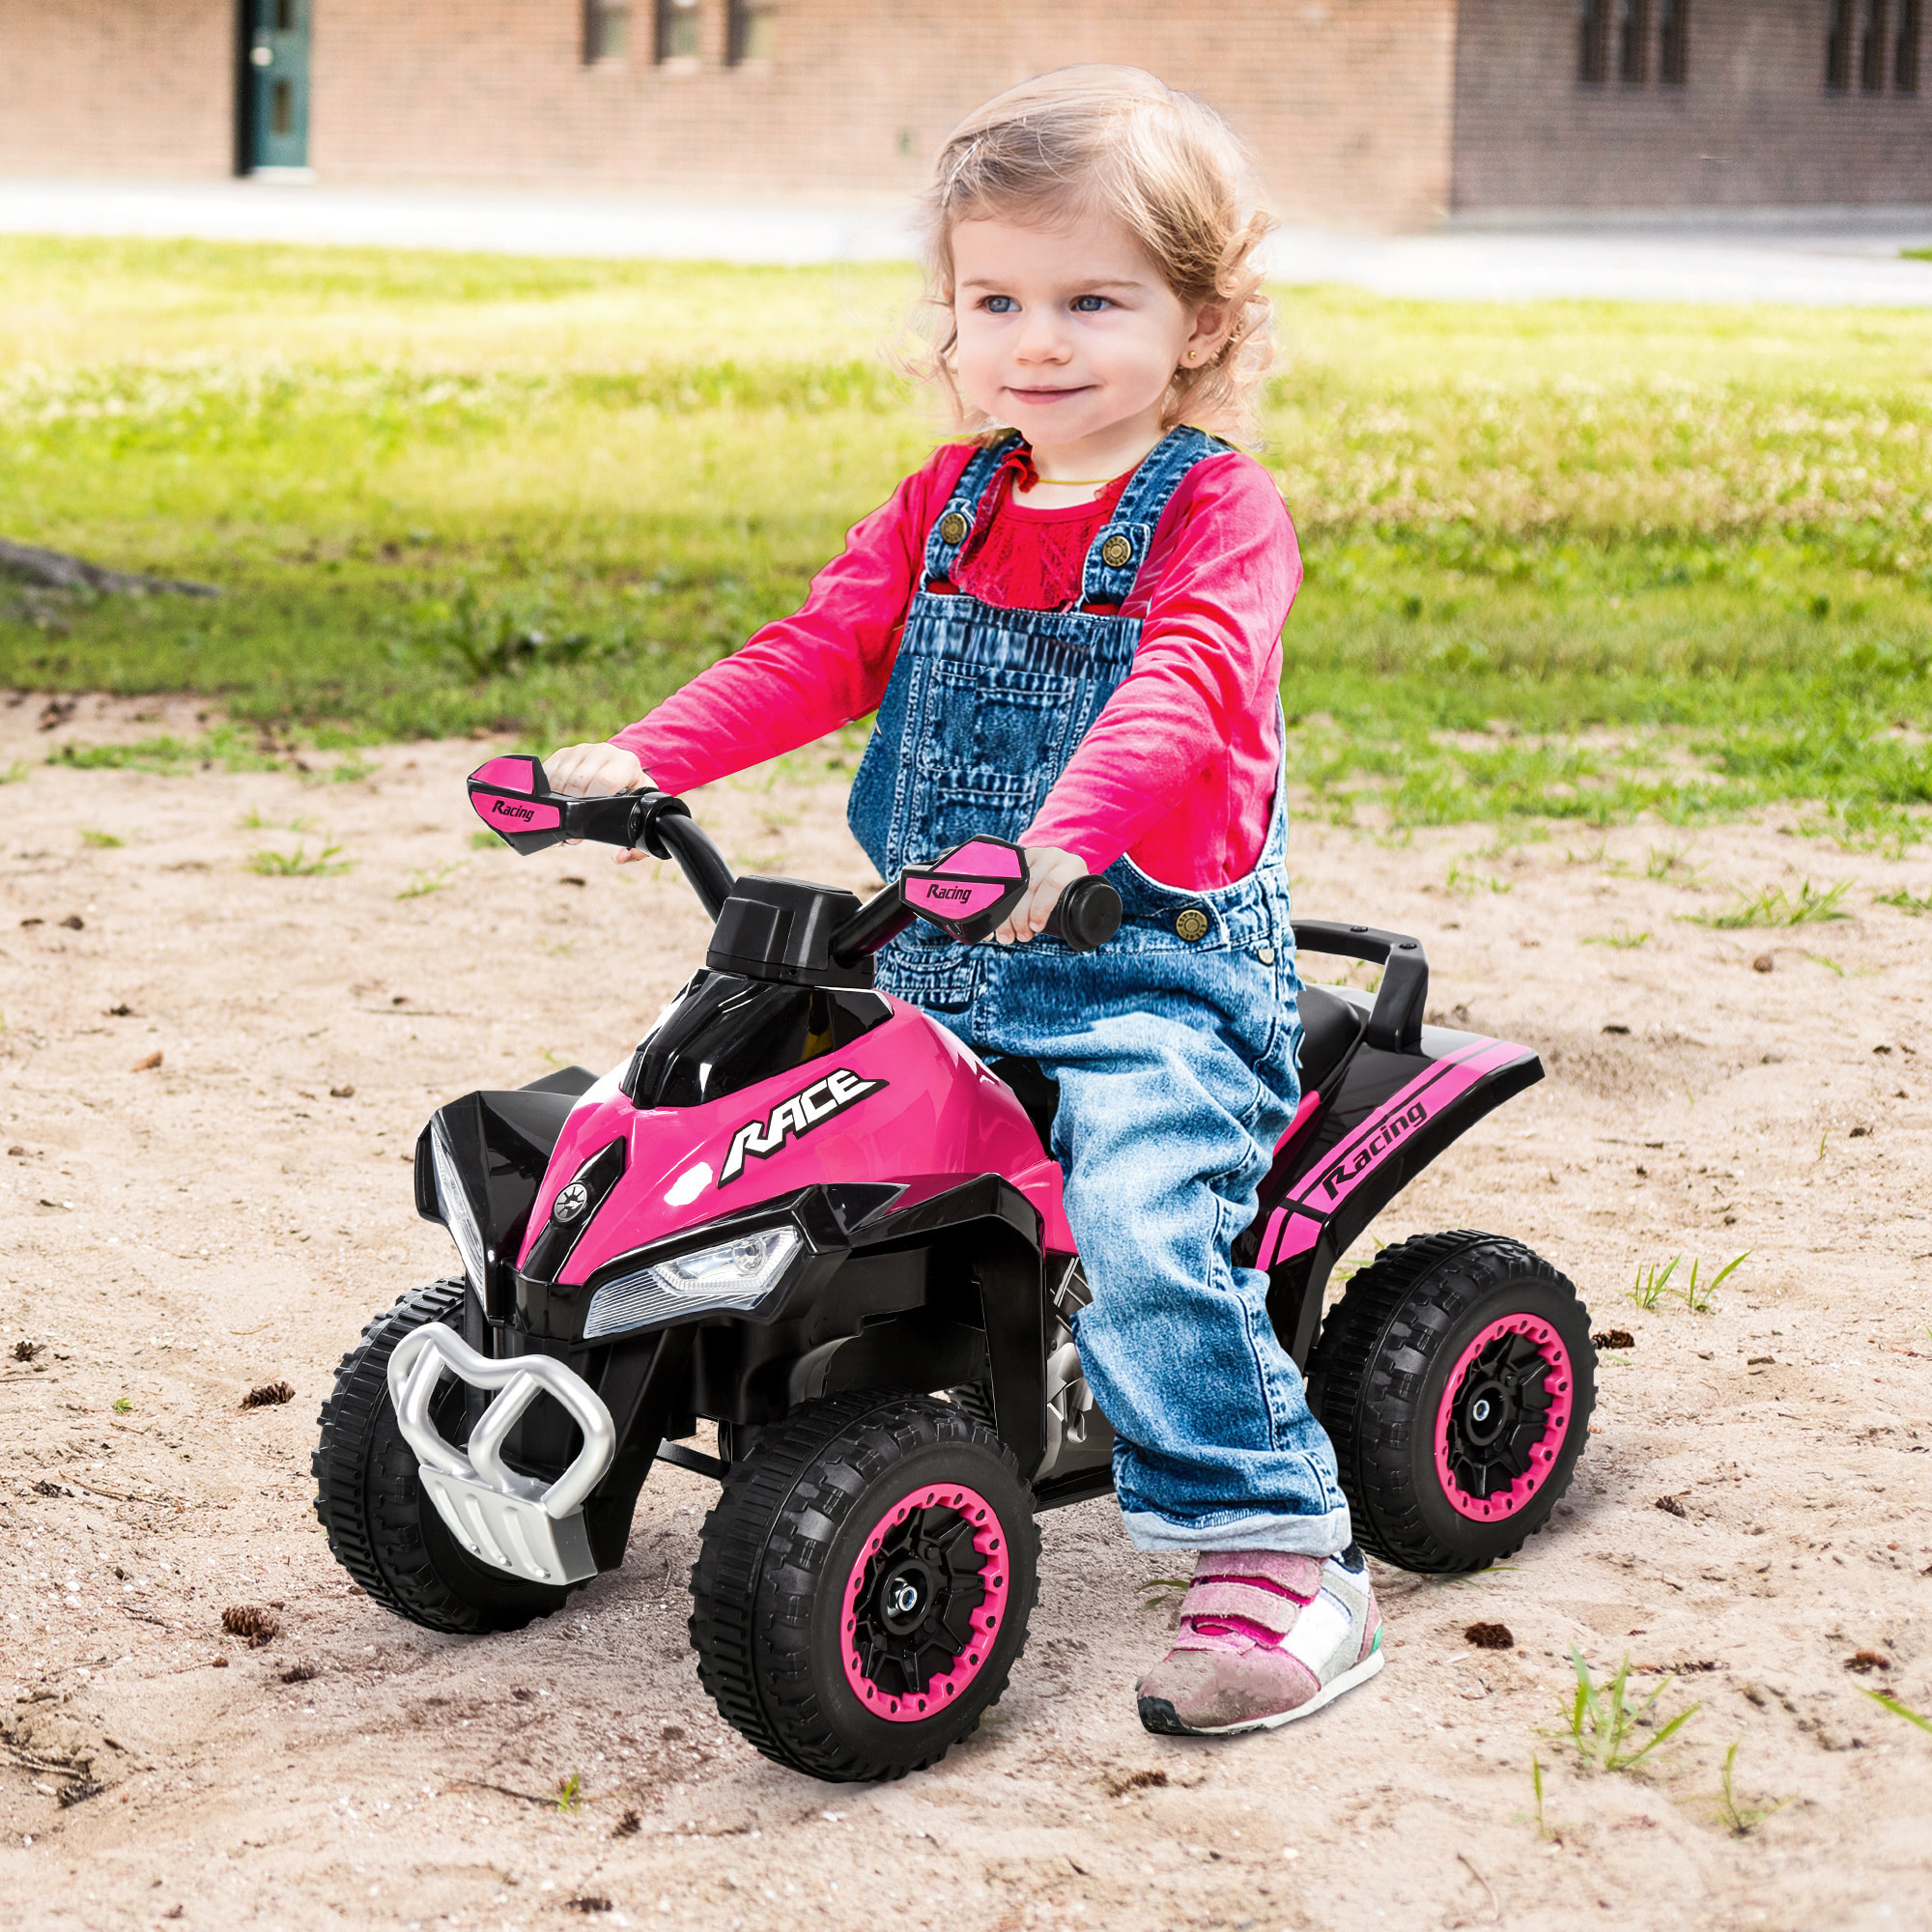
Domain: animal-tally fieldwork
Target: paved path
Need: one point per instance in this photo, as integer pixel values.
(1822, 256)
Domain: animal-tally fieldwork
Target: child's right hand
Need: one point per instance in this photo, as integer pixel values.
(596, 771)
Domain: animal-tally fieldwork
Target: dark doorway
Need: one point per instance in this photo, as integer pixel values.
(275, 94)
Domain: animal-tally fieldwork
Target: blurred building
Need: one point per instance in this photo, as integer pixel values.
(1385, 112)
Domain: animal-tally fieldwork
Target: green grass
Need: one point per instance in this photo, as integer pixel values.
(1603, 1722)
(1772, 905)
(1740, 1820)
(300, 863)
(1899, 1710)
(1565, 561)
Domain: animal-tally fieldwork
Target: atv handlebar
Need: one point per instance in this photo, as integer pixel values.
(1084, 917)
(967, 893)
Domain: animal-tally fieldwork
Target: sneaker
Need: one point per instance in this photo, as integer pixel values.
(1265, 1638)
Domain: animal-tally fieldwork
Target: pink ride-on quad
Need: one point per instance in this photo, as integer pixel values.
(805, 1213)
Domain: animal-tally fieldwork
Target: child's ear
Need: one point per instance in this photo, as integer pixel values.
(1212, 322)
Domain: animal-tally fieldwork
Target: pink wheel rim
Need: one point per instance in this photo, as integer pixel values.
(1560, 1384)
(943, 1689)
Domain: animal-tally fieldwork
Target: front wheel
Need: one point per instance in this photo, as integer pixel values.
(862, 1587)
(1456, 1379)
(381, 1528)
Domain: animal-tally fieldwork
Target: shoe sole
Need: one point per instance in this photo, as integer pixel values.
(1158, 1716)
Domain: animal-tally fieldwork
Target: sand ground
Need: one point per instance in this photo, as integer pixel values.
(179, 1235)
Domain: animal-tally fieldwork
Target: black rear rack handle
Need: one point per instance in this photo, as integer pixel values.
(1396, 1023)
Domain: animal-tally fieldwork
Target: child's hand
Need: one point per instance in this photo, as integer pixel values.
(1050, 871)
(596, 771)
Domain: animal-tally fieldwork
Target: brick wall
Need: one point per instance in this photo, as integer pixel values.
(1352, 105)
(117, 87)
(1753, 126)
(1346, 100)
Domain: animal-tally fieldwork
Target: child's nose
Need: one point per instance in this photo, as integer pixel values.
(1041, 339)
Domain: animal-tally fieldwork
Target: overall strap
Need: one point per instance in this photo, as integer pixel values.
(1121, 545)
(956, 523)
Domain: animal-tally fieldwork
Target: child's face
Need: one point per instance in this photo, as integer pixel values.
(1069, 333)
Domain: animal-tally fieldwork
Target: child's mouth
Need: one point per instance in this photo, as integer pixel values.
(1037, 397)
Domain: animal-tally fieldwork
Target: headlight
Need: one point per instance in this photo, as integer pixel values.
(738, 1273)
(458, 1216)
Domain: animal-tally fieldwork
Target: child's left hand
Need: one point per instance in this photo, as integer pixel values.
(1050, 871)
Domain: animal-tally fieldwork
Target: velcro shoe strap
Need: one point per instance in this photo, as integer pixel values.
(1251, 1602)
(1299, 1575)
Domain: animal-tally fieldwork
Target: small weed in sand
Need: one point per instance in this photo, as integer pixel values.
(102, 841)
(481, 840)
(1897, 1709)
(351, 769)
(1602, 1719)
(1622, 939)
(1696, 1297)
(1905, 901)
(1647, 1290)
(122, 1406)
(1671, 864)
(298, 865)
(1740, 1820)
(423, 882)
(570, 1793)
(254, 819)
(1460, 881)
(1545, 1830)
(1772, 905)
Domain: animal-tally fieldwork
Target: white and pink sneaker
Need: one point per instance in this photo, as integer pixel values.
(1265, 1638)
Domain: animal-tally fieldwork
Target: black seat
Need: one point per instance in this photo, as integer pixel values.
(1330, 1026)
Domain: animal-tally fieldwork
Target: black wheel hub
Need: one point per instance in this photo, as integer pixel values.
(917, 1601)
(1497, 1416)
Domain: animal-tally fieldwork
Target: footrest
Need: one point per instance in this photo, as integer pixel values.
(510, 1533)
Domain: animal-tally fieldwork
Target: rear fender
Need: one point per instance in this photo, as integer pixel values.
(1391, 1114)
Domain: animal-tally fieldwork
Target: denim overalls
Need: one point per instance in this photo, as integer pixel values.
(1173, 1045)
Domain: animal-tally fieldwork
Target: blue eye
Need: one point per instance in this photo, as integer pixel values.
(1000, 304)
(1088, 304)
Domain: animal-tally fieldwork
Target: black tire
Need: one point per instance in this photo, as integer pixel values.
(1379, 1379)
(382, 1529)
(790, 1538)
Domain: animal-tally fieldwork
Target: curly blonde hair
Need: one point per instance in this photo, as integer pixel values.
(1113, 141)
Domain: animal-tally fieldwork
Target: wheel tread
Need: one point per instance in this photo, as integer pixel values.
(761, 1561)
(1379, 1345)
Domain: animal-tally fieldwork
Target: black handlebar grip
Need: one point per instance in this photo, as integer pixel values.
(1086, 915)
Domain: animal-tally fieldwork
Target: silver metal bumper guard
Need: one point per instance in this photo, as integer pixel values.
(533, 1529)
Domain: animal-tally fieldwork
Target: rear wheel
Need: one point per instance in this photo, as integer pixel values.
(863, 1585)
(1455, 1381)
(381, 1528)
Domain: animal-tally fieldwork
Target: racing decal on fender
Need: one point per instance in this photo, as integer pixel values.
(1336, 1178)
(792, 1119)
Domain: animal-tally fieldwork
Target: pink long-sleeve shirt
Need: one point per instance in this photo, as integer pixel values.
(1177, 771)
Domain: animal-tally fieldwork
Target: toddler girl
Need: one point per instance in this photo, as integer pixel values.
(1069, 626)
